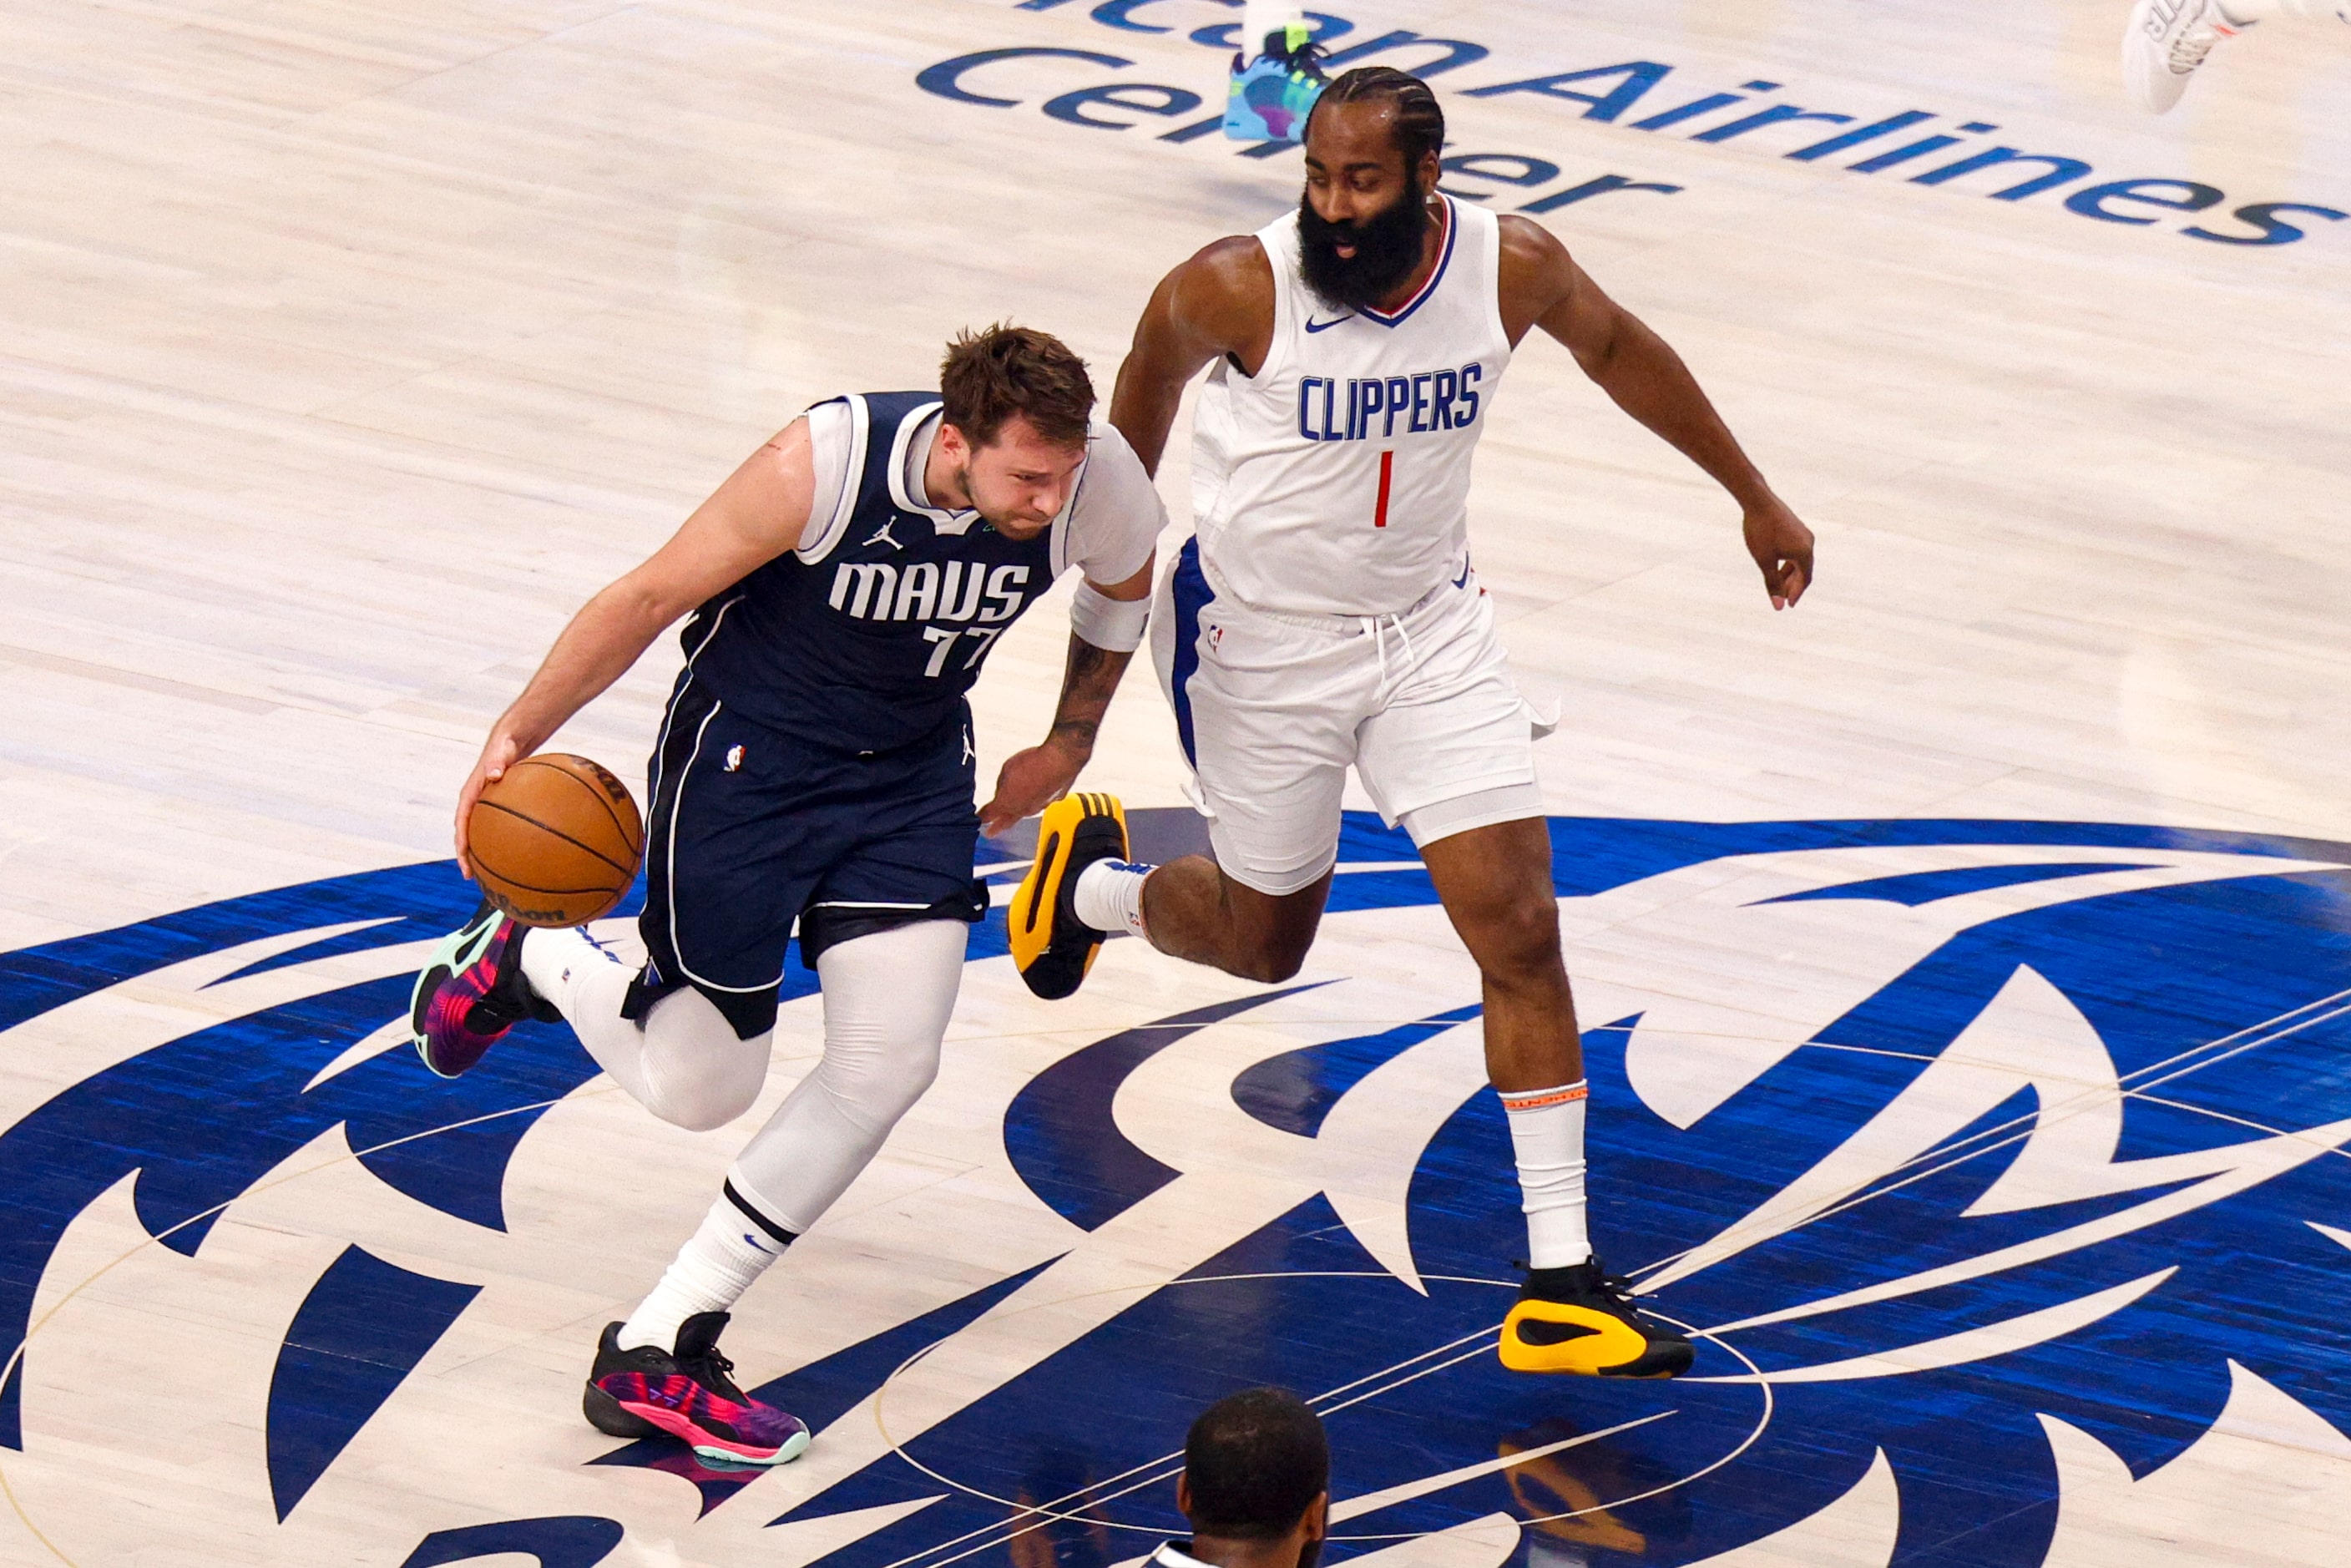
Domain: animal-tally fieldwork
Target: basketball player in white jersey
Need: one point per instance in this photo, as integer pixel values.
(1326, 615)
(2167, 40)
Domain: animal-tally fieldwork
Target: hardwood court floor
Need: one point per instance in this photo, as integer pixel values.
(1999, 888)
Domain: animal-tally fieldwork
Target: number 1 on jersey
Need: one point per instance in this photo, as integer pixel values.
(1387, 469)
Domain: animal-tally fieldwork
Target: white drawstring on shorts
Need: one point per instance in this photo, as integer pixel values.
(1375, 627)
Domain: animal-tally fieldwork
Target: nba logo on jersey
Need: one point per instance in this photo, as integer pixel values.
(734, 759)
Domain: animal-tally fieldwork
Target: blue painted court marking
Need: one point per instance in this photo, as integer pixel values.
(1093, 1178)
(1046, 1511)
(2223, 1007)
(1372, 1502)
(1762, 1424)
(207, 1216)
(558, 1540)
(1165, 1466)
(1919, 887)
(1050, 1511)
(16, 1355)
(1295, 1090)
(357, 1336)
(1951, 1156)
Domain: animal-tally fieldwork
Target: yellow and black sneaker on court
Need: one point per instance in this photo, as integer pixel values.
(1051, 947)
(1581, 1320)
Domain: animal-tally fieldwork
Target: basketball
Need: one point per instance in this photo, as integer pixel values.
(556, 841)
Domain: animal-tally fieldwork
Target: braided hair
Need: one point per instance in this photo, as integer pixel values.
(1418, 126)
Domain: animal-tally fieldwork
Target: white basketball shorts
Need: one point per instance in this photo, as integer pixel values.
(1271, 709)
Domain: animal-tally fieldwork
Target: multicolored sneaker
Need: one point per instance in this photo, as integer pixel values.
(2164, 44)
(1267, 99)
(1581, 1320)
(687, 1393)
(1052, 947)
(471, 992)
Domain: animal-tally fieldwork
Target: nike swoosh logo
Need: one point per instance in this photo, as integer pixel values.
(1314, 326)
(1541, 1331)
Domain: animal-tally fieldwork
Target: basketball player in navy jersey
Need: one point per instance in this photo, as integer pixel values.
(1326, 615)
(814, 768)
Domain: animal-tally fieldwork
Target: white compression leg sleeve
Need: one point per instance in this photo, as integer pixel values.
(887, 999)
(685, 1064)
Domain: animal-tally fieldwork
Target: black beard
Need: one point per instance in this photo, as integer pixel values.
(1387, 252)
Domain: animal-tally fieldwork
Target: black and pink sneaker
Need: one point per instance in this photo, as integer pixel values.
(471, 992)
(687, 1393)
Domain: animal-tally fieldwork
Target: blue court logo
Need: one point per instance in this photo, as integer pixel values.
(2003, 1166)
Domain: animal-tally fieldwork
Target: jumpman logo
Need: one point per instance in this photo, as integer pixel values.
(882, 536)
(968, 753)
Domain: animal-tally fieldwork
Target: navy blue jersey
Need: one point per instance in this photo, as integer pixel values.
(873, 644)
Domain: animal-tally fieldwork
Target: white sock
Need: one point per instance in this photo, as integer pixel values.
(1109, 896)
(565, 965)
(1259, 17)
(710, 1274)
(1547, 1134)
(685, 1063)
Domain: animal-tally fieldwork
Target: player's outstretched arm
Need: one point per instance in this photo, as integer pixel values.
(1219, 302)
(1033, 779)
(1542, 285)
(755, 516)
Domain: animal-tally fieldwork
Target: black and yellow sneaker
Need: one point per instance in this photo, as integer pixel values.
(1580, 1320)
(1051, 947)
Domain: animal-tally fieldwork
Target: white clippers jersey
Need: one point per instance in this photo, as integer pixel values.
(1336, 480)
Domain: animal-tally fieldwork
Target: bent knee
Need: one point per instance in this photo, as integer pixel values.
(700, 1111)
(872, 1091)
(1521, 943)
(877, 1108)
(703, 1102)
(1272, 946)
(1271, 963)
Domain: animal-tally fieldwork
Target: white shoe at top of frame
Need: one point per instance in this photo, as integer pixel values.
(2165, 41)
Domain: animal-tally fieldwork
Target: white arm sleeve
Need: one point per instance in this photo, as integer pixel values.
(833, 453)
(1115, 520)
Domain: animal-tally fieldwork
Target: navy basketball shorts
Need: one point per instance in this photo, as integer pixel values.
(754, 830)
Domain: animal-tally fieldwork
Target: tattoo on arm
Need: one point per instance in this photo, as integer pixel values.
(1088, 681)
